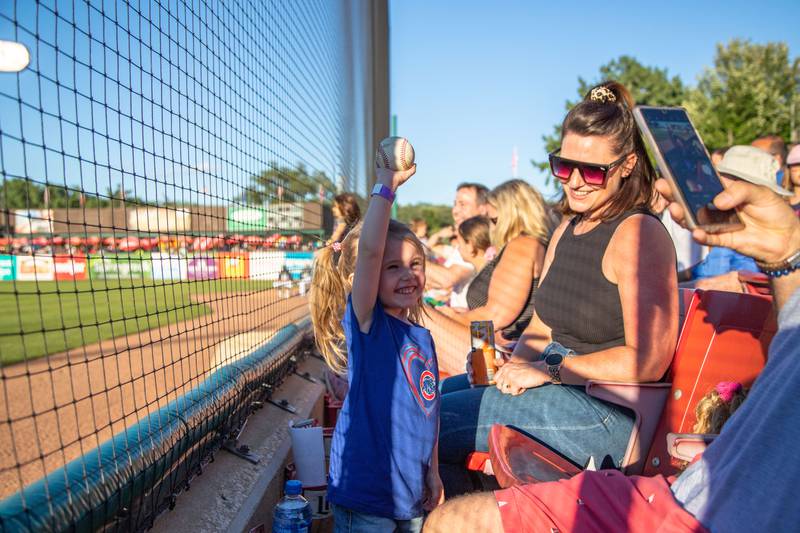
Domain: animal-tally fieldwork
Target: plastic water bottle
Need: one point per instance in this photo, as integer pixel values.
(293, 513)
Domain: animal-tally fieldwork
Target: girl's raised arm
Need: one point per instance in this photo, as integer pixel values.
(371, 245)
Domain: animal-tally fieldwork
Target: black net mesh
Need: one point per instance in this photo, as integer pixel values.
(167, 171)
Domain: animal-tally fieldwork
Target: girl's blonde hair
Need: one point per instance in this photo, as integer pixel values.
(520, 211)
(713, 410)
(331, 282)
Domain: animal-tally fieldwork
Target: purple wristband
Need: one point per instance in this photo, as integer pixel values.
(383, 191)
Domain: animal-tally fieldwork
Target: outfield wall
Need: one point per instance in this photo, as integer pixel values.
(265, 266)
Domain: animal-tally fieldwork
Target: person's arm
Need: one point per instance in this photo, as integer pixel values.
(371, 245)
(771, 230)
(338, 232)
(537, 335)
(510, 284)
(444, 233)
(434, 493)
(441, 277)
(648, 293)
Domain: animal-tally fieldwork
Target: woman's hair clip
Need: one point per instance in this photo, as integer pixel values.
(337, 246)
(602, 94)
(727, 390)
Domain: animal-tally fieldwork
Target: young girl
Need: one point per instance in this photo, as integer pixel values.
(716, 407)
(475, 242)
(383, 466)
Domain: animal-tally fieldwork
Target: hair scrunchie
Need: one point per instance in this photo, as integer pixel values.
(602, 94)
(727, 390)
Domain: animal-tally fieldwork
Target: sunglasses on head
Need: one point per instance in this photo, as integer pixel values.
(592, 173)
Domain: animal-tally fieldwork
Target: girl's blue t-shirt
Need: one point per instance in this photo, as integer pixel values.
(389, 422)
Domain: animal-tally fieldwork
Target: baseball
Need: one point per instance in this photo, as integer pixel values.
(395, 153)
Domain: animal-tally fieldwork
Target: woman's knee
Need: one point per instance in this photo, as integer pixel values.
(454, 384)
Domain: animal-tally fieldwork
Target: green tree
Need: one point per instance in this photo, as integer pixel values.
(435, 215)
(648, 86)
(18, 193)
(291, 184)
(752, 90)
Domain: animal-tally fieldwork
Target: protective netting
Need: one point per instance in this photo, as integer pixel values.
(167, 171)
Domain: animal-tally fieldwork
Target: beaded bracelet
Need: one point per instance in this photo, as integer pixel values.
(781, 268)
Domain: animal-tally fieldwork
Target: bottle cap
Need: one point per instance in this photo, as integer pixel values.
(293, 487)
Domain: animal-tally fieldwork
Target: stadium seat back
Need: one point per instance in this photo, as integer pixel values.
(725, 337)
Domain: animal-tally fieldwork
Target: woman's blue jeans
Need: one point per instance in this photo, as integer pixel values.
(562, 417)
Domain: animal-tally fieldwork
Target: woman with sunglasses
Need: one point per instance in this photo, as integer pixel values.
(503, 291)
(606, 307)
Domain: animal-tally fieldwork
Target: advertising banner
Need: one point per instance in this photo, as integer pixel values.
(27, 221)
(169, 266)
(202, 267)
(34, 268)
(6, 267)
(298, 262)
(233, 265)
(70, 267)
(247, 218)
(122, 266)
(266, 265)
(159, 220)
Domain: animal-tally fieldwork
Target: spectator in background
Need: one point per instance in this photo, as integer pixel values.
(420, 228)
(774, 145)
(347, 212)
(475, 245)
(455, 274)
(720, 269)
(687, 251)
(504, 289)
(791, 180)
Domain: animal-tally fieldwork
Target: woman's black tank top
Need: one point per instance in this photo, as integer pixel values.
(577, 302)
(478, 295)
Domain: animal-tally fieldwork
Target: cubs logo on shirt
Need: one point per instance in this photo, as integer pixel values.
(421, 378)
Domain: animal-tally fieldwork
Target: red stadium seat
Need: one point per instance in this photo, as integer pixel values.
(724, 337)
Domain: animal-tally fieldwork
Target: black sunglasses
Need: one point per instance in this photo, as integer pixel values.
(592, 173)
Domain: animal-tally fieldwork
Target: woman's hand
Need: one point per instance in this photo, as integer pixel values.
(516, 377)
(434, 490)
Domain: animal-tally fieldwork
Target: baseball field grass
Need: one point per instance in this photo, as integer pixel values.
(41, 318)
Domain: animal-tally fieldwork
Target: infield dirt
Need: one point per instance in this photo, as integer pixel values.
(54, 408)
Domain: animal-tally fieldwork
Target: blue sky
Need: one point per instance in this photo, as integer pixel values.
(472, 79)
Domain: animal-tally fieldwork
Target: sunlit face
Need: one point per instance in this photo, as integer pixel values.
(794, 175)
(402, 277)
(466, 205)
(588, 199)
(336, 212)
(491, 213)
(464, 248)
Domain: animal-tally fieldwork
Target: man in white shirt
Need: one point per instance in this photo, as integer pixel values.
(455, 274)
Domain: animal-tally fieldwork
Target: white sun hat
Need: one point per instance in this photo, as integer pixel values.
(754, 165)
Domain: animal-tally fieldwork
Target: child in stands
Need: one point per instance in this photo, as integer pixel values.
(716, 407)
(474, 241)
(366, 305)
